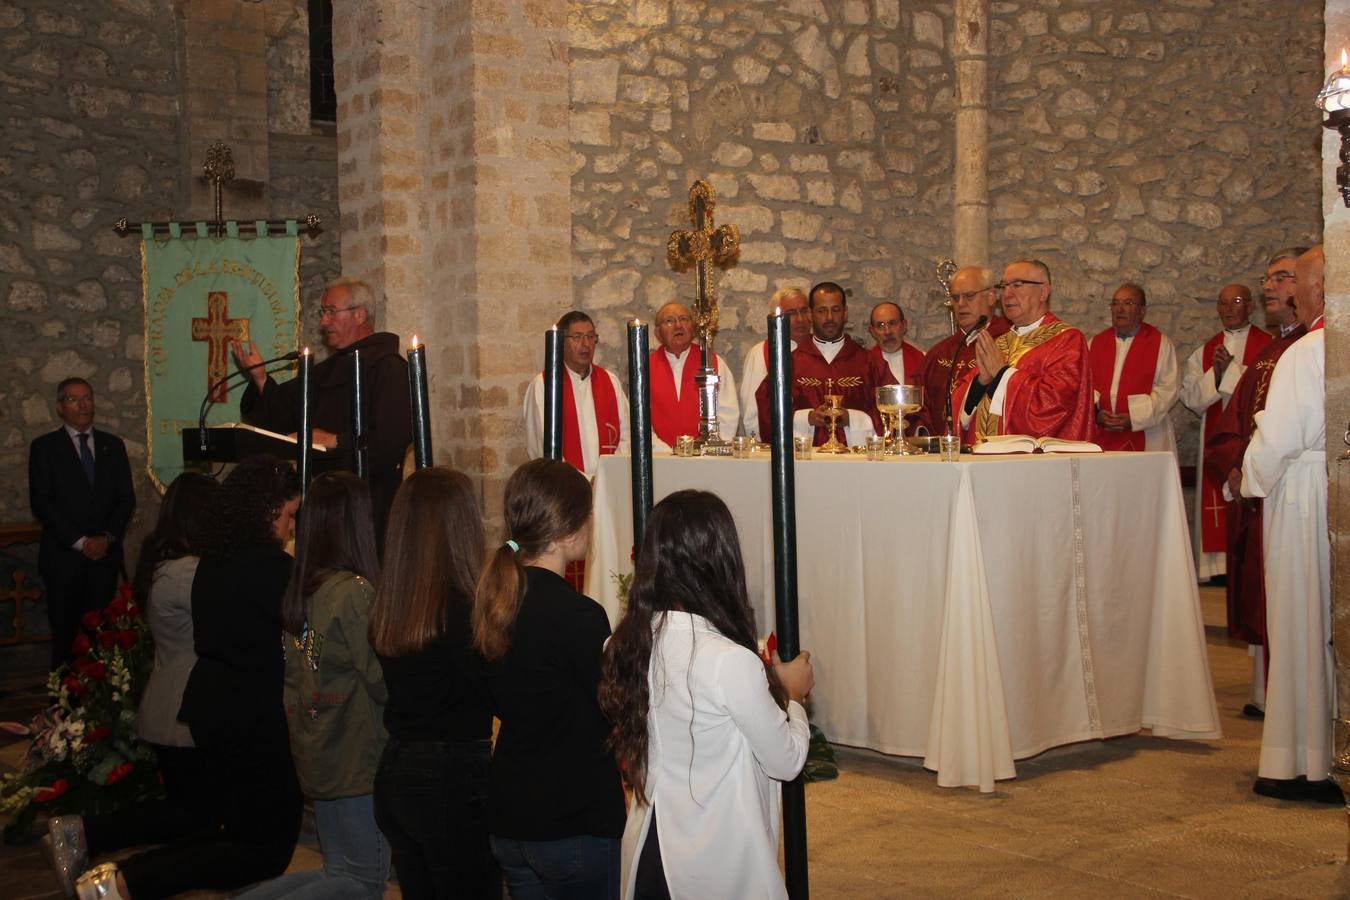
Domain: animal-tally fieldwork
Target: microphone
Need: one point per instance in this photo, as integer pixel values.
(207, 402)
(951, 375)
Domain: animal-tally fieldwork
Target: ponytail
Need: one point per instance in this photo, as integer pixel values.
(497, 603)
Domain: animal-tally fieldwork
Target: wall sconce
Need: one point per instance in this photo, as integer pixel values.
(1334, 100)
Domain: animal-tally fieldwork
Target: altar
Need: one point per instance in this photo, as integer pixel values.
(971, 613)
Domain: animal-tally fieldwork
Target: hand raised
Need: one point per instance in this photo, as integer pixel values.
(246, 355)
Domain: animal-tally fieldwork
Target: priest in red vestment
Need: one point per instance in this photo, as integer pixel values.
(1212, 374)
(973, 297)
(673, 367)
(1245, 586)
(791, 302)
(1035, 378)
(1135, 378)
(887, 326)
(833, 361)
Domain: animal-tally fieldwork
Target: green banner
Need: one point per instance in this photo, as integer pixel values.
(200, 295)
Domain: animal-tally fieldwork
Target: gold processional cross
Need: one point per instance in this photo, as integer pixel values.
(697, 248)
(217, 330)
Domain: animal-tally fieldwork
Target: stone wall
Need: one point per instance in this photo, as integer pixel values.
(93, 95)
(1168, 143)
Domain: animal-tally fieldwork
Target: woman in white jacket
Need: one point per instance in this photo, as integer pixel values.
(702, 728)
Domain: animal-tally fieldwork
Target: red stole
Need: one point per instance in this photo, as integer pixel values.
(1136, 377)
(913, 357)
(672, 417)
(1317, 326)
(606, 417)
(1213, 508)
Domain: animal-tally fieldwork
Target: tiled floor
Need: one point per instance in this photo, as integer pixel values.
(1131, 817)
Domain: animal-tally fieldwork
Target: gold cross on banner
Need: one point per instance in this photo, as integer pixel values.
(217, 330)
(699, 246)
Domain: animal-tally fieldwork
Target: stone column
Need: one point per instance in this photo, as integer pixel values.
(1336, 237)
(454, 182)
(970, 214)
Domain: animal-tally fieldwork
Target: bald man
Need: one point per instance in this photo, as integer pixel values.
(792, 302)
(888, 328)
(973, 297)
(1212, 374)
(675, 405)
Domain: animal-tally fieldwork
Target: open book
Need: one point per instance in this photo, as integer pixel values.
(289, 439)
(1025, 443)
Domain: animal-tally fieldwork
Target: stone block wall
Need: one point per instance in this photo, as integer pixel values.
(93, 130)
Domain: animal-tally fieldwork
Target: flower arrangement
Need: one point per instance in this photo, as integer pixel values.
(85, 756)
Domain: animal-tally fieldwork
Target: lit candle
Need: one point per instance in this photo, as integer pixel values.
(785, 575)
(553, 393)
(640, 427)
(304, 436)
(417, 395)
(358, 417)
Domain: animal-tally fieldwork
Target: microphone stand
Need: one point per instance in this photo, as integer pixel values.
(207, 402)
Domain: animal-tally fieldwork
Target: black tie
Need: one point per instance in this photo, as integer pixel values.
(86, 457)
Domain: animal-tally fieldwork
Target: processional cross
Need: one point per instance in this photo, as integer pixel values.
(697, 248)
(217, 330)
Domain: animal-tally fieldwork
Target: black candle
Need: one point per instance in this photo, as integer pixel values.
(640, 427)
(785, 578)
(358, 417)
(553, 390)
(304, 437)
(417, 394)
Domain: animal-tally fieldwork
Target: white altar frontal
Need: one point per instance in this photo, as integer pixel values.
(970, 613)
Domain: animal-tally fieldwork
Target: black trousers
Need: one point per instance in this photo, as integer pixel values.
(256, 799)
(187, 810)
(431, 804)
(71, 591)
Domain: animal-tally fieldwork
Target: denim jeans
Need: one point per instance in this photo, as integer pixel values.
(575, 868)
(431, 803)
(355, 857)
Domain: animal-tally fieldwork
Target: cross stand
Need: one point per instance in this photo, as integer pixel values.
(696, 248)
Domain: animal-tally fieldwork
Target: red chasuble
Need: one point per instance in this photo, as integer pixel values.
(856, 374)
(673, 417)
(1136, 377)
(606, 417)
(913, 361)
(1214, 518)
(1050, 395)
(1246, 587)
(950, 352)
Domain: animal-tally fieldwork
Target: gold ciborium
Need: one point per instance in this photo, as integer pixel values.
(893, 402)
(834, 411)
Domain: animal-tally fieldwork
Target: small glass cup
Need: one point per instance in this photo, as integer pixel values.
(949, 446)
(801, 447)
(684, 445)
(740, 447)
(876, 447)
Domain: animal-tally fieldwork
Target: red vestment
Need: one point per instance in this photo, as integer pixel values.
(1214, 522)
(1050, 394)
(1136, 377)
(1246, 589)
(606, 417)
(672, 416)
(856, 375)
(948, 360)
(913, 357)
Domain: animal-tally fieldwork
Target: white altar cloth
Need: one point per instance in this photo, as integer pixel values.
(969, 613)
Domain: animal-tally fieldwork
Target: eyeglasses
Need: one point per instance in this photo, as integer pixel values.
(589, 337)
(1124, 304)
(676, 320)
(1278, 277)
(968, 295)
(326, 312)
(1016, 284)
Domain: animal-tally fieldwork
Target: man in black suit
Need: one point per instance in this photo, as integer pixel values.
(79, 486)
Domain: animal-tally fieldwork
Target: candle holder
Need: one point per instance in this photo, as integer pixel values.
(1334, 99)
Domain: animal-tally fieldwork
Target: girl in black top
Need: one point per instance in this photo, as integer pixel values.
(431, 787)
(555, 798)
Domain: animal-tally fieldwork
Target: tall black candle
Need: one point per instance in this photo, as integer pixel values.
(304, 436)
(417, 395)
(553, 389)
(640, 427)
(358, 416)
(785, 578)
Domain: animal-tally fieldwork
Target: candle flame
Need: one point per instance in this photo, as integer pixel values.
(637, 323)
(415, 342)
(553, 327)
(304, 351)
(777, 311)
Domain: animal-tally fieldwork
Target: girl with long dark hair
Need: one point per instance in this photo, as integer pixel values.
(556, 799)
(703, 729)
(431, 786)
(232, 702)
(334, 691)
